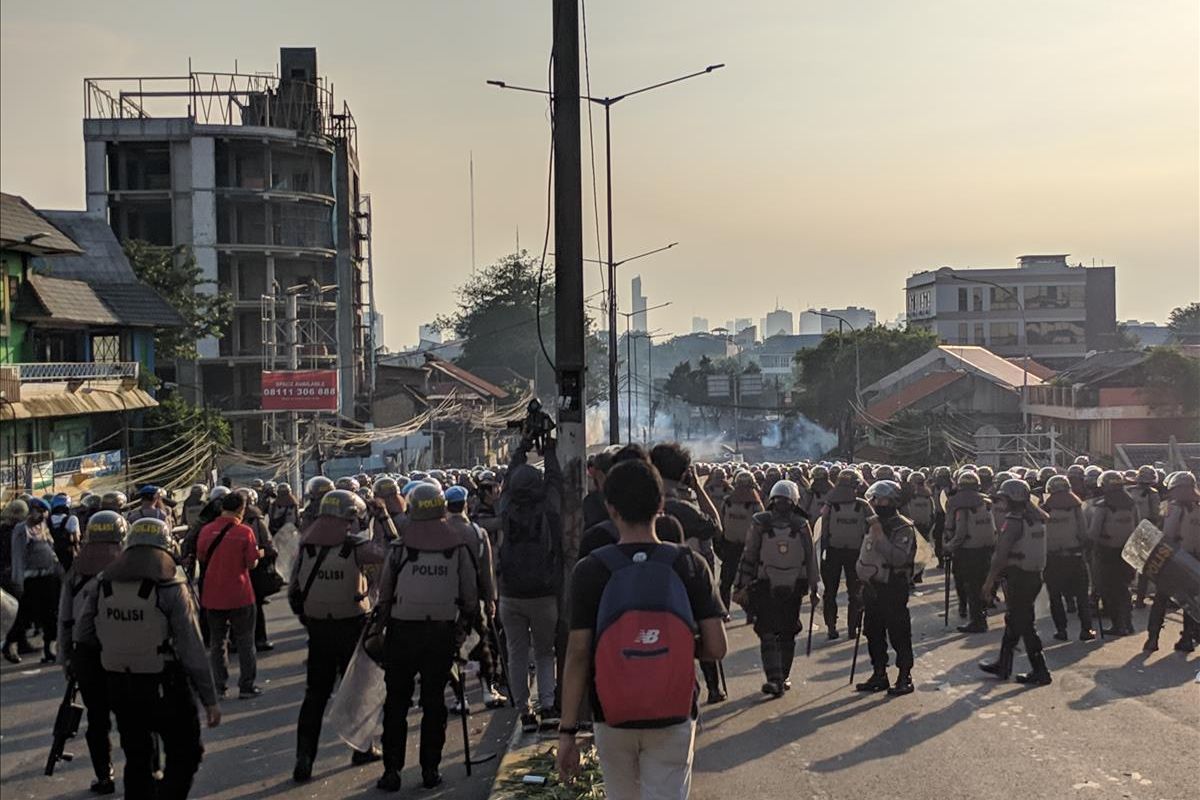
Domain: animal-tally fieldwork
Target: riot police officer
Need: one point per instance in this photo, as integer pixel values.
(843, 527)
(885, 567)
(102, 542)
(317, 487)
(141, 614)
(969, 541)
(1181, 528)
(428, 589)
(328, 591)
(1114, 516)
(1020, 557)
(1066, 572)
(778, 567)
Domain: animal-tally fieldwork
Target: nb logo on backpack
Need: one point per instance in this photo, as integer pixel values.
(647, 636)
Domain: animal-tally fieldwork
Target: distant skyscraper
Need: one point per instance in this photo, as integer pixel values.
(430, 334)
(740, 324)
(777, 322)
(638, 306)
(699, 325)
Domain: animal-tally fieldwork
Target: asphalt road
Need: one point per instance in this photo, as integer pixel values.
(1115, 724)
(251, 754)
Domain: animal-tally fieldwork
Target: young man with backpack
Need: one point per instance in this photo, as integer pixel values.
(529, 573)
(637, 608)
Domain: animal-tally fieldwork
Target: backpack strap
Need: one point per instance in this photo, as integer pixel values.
(146, 587)
(665, 554)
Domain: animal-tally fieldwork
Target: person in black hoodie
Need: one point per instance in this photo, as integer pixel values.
(529, 572)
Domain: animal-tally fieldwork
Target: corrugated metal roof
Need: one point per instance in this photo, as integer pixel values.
(1098, 367)
(20, 221)
(987, 362)
(66, 302)
(103, 259)
(460, 375)
(1035, 368)
(54, 400)
(887, 407)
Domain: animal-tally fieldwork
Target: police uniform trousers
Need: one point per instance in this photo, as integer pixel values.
(331, 644)
(777, 623)
(1158, 616)
(971, 566)
(731, 555)
(157, 704)
(1067, 578)
(1115, 575)
(1021, 590)
(93, 688)
(411, 649)
(886, 618)
(839, 560)
(938, 531)
(38, 604)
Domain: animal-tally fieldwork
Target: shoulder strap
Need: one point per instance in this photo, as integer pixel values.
(312, 576)
(146, 588)
(220, 538)
(665, 554)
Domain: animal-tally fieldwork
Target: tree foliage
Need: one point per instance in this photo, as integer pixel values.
(176, 420)
(825, 374)
(174, 275)
(1184, 323)
(1172, 377)
(497, 318)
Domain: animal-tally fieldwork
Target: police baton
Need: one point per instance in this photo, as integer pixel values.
(857, 639)
(949, 560)
(460, 686)
(812, 613)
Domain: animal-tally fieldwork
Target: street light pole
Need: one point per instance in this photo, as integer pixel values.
(857, 371)
(608, 103)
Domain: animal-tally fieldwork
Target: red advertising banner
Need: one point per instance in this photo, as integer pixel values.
(300, 390)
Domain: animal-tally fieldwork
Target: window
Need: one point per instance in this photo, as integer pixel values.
(1004, 334)
(106, 349)
(962, 300)
(977, 299)
(1045, 333)
(962, 332)
(1002, 298)
(980, 337)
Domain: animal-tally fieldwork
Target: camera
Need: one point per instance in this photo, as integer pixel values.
(535, 428)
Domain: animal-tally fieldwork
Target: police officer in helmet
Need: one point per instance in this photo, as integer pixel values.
(885, 567)
(778, 567)
(141, 614)
(428, 589)
(328, 591)
(1020, 557)
(101, 547)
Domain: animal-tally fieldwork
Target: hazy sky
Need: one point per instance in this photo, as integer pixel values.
(845, 145)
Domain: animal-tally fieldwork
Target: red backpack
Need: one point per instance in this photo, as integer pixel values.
(645, 640)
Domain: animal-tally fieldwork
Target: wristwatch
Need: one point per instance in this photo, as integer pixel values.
(568, 730)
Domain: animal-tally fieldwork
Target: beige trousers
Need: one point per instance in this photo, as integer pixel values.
(648, 763)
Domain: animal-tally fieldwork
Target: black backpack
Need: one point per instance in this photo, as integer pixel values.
(65, 546)
(530, 561)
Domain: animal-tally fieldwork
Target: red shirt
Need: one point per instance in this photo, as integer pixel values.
(227, 574)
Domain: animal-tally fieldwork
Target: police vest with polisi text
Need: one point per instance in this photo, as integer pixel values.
(847, 524)
(1028, 549)
(979, 524)
(1064, 530)
(427, 581)
(339, 588)
(1118, 524)
(874, 564)
(134, 633)
(738, 518)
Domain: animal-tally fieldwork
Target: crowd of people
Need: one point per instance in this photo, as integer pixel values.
(598, 628)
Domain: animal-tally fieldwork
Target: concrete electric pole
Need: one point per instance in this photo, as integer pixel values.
(568, 269)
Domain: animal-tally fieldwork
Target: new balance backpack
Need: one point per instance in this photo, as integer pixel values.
(645, 640)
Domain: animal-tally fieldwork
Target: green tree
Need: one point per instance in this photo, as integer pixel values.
(174, 427)
(1184, 323)
(1171, 377)
(825, 375)
(497, 317)
(173, 274)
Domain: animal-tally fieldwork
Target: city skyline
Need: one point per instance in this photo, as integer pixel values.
(810, 168)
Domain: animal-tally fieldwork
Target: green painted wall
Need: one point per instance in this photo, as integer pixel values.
(12, 333)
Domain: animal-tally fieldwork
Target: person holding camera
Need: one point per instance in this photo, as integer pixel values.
(529, 569)
(328, 591)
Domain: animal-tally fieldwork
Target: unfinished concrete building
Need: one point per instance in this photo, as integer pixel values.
(256, 176)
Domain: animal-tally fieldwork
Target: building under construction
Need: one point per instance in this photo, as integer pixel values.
(257, 177)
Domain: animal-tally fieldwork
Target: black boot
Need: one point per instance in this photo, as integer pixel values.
(393, 764)
(903, 685)
(878, 682)
(369, 756)
(1185, 644)
(1151, 642)
(48, 656)
(1002, 666)
(1039, 675)
(104, 783)
(430, 777)
(10, 653)
(973, 627)
(306, 752)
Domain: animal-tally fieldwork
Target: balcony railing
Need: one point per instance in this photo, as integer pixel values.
(59, 371)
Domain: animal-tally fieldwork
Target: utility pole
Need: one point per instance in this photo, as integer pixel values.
(568, 269)
(292, 335)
